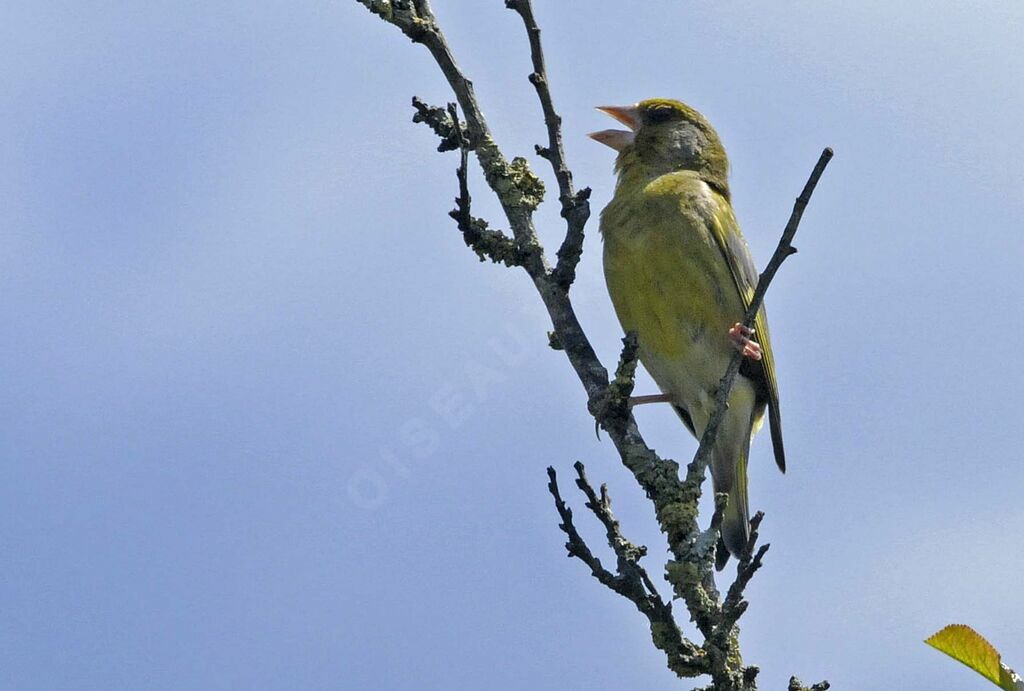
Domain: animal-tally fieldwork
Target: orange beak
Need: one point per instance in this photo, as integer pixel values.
(627, 115)
(618, 139)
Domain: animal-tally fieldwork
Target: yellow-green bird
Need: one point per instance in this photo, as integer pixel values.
(681, 276)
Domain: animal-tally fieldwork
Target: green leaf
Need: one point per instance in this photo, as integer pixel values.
(966, 645)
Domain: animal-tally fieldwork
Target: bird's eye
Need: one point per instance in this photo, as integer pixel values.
(662, 114)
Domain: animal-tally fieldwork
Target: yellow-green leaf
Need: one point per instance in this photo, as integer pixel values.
(966, 645)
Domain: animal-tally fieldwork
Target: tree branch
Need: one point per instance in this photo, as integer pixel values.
(631, 580)
(575, 205)
(782, 252)
(734, 605)
(486, 242)
(519, 191)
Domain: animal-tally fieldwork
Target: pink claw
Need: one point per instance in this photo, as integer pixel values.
(740, 337)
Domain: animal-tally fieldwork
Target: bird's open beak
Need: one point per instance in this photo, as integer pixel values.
(627, 115)
(618, 139)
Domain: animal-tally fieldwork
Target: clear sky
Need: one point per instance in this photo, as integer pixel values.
(267, 423)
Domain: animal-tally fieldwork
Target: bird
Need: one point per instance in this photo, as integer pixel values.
(681, 276)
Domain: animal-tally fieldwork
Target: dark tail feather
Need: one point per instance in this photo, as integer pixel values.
(735, 524)
(721, 555)
(775, 425)
(729, 473)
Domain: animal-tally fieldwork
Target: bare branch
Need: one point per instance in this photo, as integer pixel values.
(486, 242)
(577, 546)
(734, 605)
(575, 205)
(508, 182)
(630, 580)
(785, 249)
(519, 191)
(628, 554)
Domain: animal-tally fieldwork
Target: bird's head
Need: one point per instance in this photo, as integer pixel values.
(665, 136)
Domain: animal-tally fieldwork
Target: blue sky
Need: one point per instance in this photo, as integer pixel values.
(268, 424)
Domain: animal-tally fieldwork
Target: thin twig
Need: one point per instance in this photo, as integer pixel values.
(734, 605)
(785, 249)
(487, 242)
(519, 191)
(575, 205)
(628, 554)
(577, 546)
(631, 580)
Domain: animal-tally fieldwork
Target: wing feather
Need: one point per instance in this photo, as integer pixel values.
(734, 249)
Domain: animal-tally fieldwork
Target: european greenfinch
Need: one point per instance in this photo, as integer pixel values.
(680, 276)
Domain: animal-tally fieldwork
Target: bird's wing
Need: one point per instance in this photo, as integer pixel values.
(734, 248)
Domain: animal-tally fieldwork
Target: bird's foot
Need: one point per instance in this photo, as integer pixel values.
(655, 398)
(740, 337)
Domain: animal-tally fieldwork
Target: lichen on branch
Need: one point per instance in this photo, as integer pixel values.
(690, 568)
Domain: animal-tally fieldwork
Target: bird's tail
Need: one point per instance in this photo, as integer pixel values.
(729, 474)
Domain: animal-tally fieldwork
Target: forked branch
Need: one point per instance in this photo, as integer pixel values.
(519, 192)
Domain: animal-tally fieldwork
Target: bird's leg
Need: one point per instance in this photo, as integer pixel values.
(654, 398)
(740, 337)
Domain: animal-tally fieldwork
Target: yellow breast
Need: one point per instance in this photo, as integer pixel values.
(665, 274)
